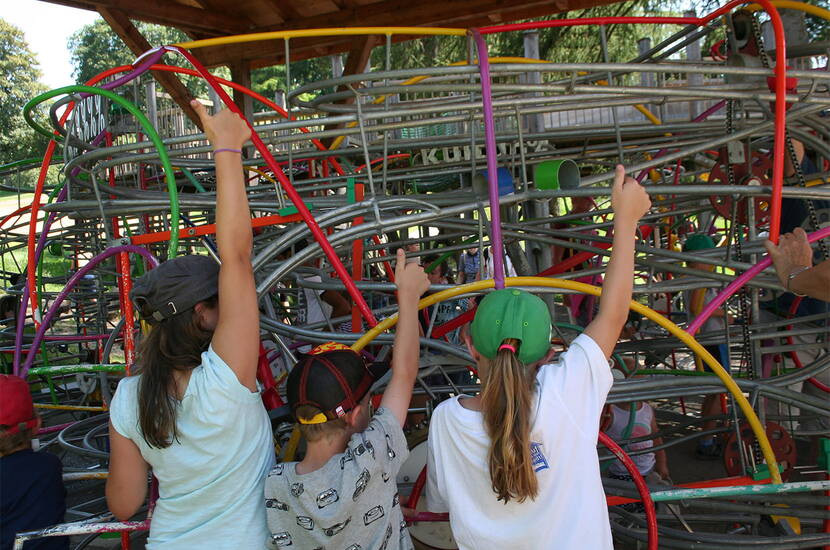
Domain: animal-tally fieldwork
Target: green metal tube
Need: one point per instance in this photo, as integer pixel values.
(149, 130)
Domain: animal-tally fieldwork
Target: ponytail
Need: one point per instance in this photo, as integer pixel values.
(173, 344)
(506, 403)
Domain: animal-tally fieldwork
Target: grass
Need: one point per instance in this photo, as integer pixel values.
(15, 261)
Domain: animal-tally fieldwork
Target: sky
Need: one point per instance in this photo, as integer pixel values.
(47, 28)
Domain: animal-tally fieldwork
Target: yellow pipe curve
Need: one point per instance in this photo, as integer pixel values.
(682, 335)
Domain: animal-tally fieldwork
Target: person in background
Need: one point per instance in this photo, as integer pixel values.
(708, 448)
(792, 258)
(469, 265)
(32, 495)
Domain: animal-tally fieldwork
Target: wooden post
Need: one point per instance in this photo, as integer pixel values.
(694, 79)
(124, 28)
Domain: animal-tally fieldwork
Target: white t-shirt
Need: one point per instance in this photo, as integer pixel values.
(212, 480)
(642, 427)
(569, 511)
(489, 268)
(713, 323)
(312, 307)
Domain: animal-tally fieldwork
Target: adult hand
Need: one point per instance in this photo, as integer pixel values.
(792, 252)
(629, 199)
(225, 129)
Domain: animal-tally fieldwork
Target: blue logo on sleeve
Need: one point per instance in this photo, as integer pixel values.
(537, 458)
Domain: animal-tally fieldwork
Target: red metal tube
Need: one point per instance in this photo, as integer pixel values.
(318, 234)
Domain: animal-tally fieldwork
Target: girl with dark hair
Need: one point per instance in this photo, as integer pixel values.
(193, 413)
(525, 447)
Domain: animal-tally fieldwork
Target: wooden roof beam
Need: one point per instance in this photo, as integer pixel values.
(425, 13)
(355, 64)
(166, 12)
(134, 40)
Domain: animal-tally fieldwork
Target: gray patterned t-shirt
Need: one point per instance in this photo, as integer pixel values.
(351, 503)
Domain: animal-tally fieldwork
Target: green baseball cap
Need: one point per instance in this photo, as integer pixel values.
(512, 313)
(698, 241)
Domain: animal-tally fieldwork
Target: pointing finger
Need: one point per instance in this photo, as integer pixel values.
(401, 263)
(619, 175)
(199, 108)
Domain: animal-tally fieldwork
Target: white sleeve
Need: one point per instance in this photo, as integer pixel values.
(123, 406)
(582, 379)
(435, 498)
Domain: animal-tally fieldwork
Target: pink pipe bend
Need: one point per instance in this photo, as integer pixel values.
(740, 281)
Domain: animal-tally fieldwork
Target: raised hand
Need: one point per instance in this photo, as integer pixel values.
(792, 252)
(225, 129)
(629, 199)
(410, 278)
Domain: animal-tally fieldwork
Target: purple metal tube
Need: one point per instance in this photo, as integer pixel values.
(47, 319)
(740, 281)
(146, 60)
(492, 169)
(24, 300)
(41, 243)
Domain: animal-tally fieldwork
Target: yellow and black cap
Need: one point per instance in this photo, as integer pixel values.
(332, 378)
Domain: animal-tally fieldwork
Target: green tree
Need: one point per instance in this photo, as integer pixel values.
(19, 82)
(96, 47)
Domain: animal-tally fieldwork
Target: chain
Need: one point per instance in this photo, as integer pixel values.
(811, 209)
(743, 294)
(743, 301)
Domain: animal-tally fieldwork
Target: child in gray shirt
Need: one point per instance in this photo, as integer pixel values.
(343, 494)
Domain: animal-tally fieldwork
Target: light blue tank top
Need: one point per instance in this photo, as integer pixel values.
(211, 481)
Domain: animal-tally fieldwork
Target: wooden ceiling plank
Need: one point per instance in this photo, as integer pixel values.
(283, 9)
(124, 28)
(165, 12)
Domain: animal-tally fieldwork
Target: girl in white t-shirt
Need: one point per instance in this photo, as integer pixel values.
(516, 466)
(193, 414)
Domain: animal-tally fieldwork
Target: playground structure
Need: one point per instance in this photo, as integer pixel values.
(488, 152)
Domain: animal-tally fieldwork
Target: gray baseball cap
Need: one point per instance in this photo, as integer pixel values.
(175, 286)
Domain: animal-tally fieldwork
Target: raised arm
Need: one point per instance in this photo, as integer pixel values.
(629, 201)
(236, 338)
(412, 282)
(793, 261)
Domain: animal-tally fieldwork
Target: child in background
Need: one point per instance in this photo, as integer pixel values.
(193, 414)
(32, 495)
(469, 265)
(707, 447)
(526, 445)
(653, 466)
(343, 493)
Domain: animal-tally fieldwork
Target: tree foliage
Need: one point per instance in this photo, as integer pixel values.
(19, 82)
(96, 47)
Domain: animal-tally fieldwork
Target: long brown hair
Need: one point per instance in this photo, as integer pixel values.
(173, 344)
(506, 401)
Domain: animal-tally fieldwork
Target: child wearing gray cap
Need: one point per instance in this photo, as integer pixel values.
(192, 413)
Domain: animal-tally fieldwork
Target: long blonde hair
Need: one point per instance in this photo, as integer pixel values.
(506, 401)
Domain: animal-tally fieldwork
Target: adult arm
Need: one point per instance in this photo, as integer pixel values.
(629, 201)
(411, 282)
(236, 338)
(814, 282)
(793, 255)
(126, 487)
(339, 305)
